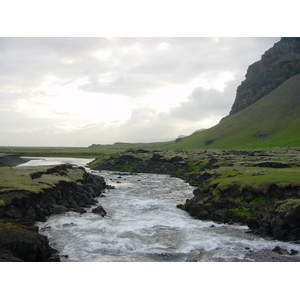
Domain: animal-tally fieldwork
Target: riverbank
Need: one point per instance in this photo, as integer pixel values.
(30, 194)
(258, 188)
(143, 224)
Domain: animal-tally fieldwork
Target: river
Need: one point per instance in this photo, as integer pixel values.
(144, 225)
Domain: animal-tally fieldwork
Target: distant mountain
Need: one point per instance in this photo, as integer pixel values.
(273, 121)
(277, 65)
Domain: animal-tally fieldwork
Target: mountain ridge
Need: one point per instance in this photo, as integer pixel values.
(277, 65)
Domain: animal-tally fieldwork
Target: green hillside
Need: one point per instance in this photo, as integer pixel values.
(273, 121)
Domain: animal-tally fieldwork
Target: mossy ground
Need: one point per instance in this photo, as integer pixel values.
(19, 179)
(287, 205)
(256, 179)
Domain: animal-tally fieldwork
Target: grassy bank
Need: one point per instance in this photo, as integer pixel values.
(35, 179)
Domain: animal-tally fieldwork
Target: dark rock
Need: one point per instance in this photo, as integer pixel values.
(222, 203)
(272, 164)
(208, 142)
(11, 160)
(249, 198)
(224, 216)
(23, 244)
(59, 209)
(7, 256)
(277, 65)
(294, 252)
(279, 250)
(99, 210)
(252, 222)
(12, 211)
(264, 228)
(79, 210)
(279, 233)
(267, 255)
(69, 224)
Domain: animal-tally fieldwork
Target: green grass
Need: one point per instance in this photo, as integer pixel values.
(241, 212)
(254, 179)
(19, 179)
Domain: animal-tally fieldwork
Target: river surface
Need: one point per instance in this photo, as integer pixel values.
(144, 225)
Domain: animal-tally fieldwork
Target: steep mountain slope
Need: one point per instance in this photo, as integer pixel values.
(273, 121)
(277, 65)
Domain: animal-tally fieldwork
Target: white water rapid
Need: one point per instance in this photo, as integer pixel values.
(143, 224)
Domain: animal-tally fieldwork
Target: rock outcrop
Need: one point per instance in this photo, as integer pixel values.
(283, 222)
(69, 195)
(59, 189)
(20, 241)
(277, 65)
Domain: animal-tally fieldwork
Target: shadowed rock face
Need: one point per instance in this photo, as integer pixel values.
(277, 65)
(22, 242)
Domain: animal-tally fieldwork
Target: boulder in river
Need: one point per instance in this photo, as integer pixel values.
(99, 210)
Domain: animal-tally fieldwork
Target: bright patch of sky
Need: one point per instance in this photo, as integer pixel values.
(82, 91)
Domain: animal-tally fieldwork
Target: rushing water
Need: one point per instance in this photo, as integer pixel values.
(143, 224)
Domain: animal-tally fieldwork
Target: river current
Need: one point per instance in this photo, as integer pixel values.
(144, 225)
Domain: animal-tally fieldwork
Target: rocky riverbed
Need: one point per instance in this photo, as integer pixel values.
(258, 188)
(30, 194)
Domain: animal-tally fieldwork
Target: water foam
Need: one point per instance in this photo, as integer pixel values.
(143, 224)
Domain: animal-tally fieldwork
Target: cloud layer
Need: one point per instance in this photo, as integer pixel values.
(79, 91)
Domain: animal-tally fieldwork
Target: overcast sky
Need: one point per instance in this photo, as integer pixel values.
(83, 91)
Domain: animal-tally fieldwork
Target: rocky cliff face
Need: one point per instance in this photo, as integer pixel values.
(277, 65)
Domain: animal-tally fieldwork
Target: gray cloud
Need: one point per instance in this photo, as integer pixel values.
(129, 67)
(124, 84)
(204, 103)
(133, 61)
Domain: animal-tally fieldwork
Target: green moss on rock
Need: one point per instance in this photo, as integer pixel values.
(287, 205)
